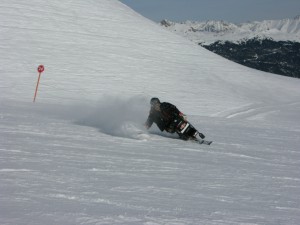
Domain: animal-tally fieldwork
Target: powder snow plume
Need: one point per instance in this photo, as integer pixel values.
(117, 116)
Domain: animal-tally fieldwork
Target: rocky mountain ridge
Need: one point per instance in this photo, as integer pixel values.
(270, 45)
(210, 31)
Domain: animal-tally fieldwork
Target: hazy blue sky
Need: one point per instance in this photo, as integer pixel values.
(230, 10)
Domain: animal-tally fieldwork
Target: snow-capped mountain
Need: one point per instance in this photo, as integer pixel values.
(81, 155)
(270, 45)
(211, 31)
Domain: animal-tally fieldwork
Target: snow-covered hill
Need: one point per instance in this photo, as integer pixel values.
(80, 154)
(211, 31)
(90, 51)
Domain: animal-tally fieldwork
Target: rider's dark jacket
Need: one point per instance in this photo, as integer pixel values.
(163, 118)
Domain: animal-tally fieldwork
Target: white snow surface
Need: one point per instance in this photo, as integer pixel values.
(207, 32)
(80, 153)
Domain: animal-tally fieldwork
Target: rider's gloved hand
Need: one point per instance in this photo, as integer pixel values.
(183, 116)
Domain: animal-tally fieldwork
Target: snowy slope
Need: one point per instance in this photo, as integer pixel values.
(80, 154)
(207, 32)
(90, 51)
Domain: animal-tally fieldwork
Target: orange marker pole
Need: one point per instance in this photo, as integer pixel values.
(40, 70)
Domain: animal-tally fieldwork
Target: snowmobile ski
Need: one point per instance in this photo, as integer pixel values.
(203, 142)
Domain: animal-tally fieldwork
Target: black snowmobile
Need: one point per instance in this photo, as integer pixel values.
(187, 131)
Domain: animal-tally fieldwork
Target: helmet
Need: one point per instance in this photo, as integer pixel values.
(154, 101)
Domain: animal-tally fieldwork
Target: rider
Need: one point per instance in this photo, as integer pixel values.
(164, 114)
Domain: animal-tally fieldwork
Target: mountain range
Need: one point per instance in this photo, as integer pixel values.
(208, 32)
(270, 45)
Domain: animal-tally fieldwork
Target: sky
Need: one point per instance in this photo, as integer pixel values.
(236, 11)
